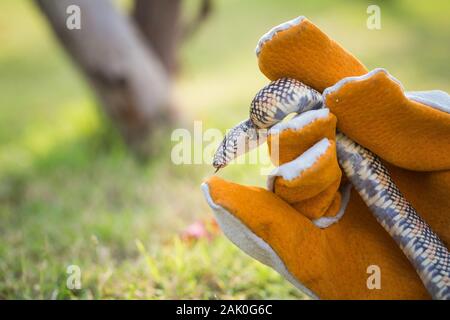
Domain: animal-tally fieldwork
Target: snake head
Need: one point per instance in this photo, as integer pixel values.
(239, 140)
(219, 159)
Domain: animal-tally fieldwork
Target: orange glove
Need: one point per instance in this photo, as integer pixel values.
(303, 225)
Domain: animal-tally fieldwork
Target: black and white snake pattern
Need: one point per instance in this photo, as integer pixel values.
(426, 252)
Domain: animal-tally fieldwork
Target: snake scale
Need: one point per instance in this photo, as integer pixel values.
(425, 251)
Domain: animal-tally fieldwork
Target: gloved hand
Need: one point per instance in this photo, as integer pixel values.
(307, 226)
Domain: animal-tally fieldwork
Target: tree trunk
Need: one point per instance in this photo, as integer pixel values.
(132, 83)
(159, 21)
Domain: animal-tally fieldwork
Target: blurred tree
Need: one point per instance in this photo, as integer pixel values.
(129, 61)
(159, 22)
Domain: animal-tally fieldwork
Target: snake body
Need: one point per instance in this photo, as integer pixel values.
(421, 245)
(271, 105)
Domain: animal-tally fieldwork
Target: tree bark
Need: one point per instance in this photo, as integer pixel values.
(130, 80)
(159, 21)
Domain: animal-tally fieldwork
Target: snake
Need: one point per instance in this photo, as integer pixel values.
(369, 176)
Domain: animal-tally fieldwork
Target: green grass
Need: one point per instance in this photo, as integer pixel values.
(71, 194)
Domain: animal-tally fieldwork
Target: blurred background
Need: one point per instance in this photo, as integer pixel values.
(86, 118)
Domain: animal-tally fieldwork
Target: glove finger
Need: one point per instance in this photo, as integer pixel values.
(288, 140)
(308, 175)
(374, 111)
(310, 182)
(326, 203)
(314, 192)
(298, 49)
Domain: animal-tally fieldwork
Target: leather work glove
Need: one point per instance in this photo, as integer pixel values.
(310, 225)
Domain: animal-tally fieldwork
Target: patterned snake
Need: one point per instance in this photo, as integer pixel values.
(426, 252)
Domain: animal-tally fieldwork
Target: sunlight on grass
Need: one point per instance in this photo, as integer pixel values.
(201, 270)
(75, 119)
